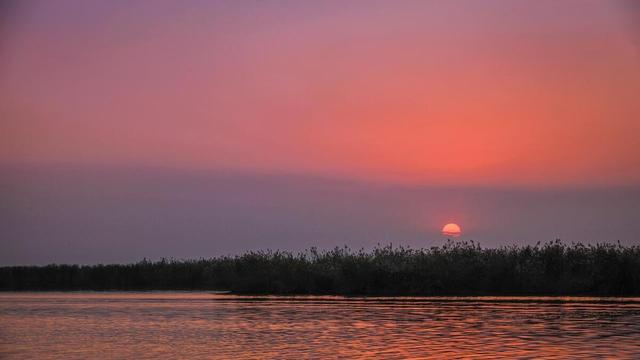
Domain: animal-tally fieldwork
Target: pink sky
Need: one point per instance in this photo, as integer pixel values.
(133, 129)
(497, 92)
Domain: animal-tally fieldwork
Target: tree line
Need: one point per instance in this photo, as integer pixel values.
(456, 268)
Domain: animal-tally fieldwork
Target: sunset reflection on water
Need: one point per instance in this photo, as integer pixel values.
(203, 325)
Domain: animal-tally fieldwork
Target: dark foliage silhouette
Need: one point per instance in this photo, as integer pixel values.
(457, 268)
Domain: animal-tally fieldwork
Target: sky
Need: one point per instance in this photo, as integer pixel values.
(133, 129)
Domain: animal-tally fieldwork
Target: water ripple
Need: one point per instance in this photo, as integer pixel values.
(214, 326)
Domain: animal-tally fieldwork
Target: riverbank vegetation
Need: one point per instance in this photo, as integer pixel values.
(457, 268)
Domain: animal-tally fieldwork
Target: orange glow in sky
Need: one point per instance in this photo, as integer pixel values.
(507, 93)
(164, 128)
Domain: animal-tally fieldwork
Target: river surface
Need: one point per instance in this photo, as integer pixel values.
(176, 325)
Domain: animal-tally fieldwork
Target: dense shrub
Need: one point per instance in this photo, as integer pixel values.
(457, 268)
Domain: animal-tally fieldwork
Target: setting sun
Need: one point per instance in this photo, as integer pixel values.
(451, 229)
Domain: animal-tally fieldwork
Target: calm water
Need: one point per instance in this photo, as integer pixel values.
(202, 325)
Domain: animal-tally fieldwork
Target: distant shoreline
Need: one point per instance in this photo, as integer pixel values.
(311, 298)
(455, 269)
